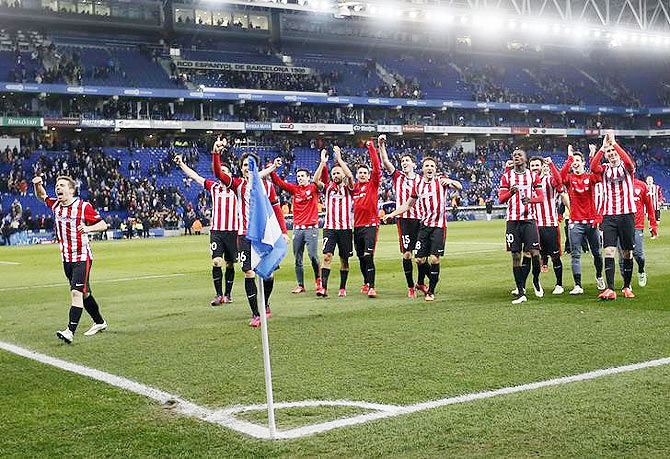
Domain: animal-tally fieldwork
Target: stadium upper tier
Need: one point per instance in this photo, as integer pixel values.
(517, 78)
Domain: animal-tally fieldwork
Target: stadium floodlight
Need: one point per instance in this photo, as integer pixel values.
(634, 38)
(511, 25)
(666, 42)
(644, 39)
(556, 29)
(440, 17)
(597, 33)
(465, 20)
(413, 14)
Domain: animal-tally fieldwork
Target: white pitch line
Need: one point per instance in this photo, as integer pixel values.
(226, 417)
(9, 263)
(123, 279)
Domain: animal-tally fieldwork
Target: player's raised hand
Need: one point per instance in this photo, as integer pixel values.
(592, 149)
(570, 151)
(382, 139)
(178, 160)
(547, 160)
(277, 163)
(337, 151)
(219, 145)
(37, 180)
(324, 155)
(509, 164)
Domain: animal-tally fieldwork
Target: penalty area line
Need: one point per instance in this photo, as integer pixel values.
(226, 417)
(104, 281)
(9, 263)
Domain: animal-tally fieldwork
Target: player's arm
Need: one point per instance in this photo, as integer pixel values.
(651, 213)
(276, 207)
(190, 173)
(219, 146)
(628, 162)
(319, 179)
(38, 185)
(400, 210)
(565, 197)
(340, 162)
(538, 195)
(565, 170)
(376, 164)
(594, 163)
(505, 192)
(269, 169)
(450, 183)
(97, 224)
(555, 173)
(277, 180)
(390, 168)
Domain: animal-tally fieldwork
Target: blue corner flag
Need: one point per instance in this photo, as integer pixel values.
(268, 247)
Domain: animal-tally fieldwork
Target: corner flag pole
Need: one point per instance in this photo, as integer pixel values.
(266, 361)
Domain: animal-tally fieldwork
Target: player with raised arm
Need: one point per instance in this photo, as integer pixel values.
(366, 218)
(337, 229)
(74, 220)
(223, 232)
(430, 195)
(643, 204)
(520, 189)
(546, 215)
(409, 222)
(305, 223)
(656, 195)
(618, 224)
(242, 187)
(584, 218)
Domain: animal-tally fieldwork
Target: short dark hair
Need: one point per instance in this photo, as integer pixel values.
(363, 166)
(251, 155)
(429, 158)
(578, 153)
(226, 165)
(68, 179)
(536, 158)
(410, 156)
(302, 169)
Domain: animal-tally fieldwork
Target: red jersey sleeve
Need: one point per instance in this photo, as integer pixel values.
(503, 193)
(282, 184)
(209, 184)
(415, 192)
(376, 164)
(49, 201)
(90, 214)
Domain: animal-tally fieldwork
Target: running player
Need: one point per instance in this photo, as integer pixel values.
(656, 195)
(242, 187)
(618, 224)
(409, 222)
(546, 215)
(74, 221)
(223, 231)
(520, 189)
(337, 229)
(643, 202)
(305, 223)
(584, 219)
(366, 218)
(430, 194)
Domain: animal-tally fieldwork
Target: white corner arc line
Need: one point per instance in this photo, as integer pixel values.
(226, 417)
(9, 263)
(103, 281)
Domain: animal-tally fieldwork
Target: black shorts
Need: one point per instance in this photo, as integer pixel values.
(619, 229)
(522, 235)
(430, 241)
(550, 240)
(408, 233)
(244, 253)
(365, 240)
(77, 273)
(343, 239)
(223, 244)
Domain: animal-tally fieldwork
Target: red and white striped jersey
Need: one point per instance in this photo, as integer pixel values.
(74, 246)
(431, 201)
(339, 207)
(525, 182)
(402, 187)
(545, 211)
(224, 207)
(656, 195)
(599, 197)
(242, 189)
(619, 197)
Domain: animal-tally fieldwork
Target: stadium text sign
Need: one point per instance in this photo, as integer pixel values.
(21, 122)
(237, 67)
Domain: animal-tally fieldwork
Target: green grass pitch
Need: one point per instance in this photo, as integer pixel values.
(162, 332)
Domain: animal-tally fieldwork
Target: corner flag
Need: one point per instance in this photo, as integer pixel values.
(268, 248)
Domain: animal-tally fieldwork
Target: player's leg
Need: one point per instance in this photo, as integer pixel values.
(359, 244)
(626, 234)
(216, 250)
(610, 238)
(437, 240)
(298, 249)
(513, 239)
(89, 302)
(638, 255)
(244, 257)
(553, 248)
(346, 251)
(229, 257)
(576, 231)
(370, 245)
(544, 253)
(592, 235)
(312, 242)
(422, 253)
(76, 301)
(329, 243)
